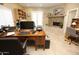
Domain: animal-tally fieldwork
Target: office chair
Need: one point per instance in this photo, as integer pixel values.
(27, 25)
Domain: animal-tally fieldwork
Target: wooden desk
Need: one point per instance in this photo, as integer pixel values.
(38, 37)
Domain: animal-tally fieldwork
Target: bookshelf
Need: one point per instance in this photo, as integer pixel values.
(20, 14)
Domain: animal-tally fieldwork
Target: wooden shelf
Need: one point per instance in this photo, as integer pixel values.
(20, 14)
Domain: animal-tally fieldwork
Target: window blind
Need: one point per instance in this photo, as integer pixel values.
(6, 17)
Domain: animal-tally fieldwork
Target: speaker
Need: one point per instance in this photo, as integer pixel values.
(47, 44)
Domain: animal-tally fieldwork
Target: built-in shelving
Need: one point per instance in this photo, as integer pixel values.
(20, 14)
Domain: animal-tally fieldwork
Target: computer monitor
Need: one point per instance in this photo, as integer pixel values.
(27, 25)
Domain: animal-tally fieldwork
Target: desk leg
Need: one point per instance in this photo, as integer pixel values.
(44, 45)
(35, 48)
(36, 45)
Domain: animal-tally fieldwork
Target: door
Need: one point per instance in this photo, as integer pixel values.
(37, 17)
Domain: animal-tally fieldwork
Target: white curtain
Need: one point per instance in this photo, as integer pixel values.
(37, 17)
(6, 17)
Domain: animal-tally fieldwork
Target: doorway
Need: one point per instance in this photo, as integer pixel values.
(37, 17)
(72, 14)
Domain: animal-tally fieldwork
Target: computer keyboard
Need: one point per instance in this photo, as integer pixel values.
(24, 33)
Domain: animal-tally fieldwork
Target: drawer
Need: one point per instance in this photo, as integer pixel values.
(40, 40)
(32, 38)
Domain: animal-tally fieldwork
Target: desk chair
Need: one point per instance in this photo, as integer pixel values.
(27, 25)
(12, 46)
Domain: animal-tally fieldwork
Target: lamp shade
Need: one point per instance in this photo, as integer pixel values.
(74, 23)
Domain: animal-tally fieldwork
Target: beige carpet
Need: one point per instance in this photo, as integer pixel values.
(57, 44)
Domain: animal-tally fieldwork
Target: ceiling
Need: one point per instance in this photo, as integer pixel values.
(40, 4)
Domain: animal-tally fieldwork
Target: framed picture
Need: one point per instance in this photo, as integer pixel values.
(59, 11)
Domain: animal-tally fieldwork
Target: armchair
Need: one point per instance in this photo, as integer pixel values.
(72, 35)
(12, 46)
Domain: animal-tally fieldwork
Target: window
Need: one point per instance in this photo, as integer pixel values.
(37, 17)
(6, 16)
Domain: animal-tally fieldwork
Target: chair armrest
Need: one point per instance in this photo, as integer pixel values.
(24, 44)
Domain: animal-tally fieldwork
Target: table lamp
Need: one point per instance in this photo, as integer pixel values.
(73, 24)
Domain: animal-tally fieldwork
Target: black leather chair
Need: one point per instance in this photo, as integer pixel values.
(27, 24)
(12, 46)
